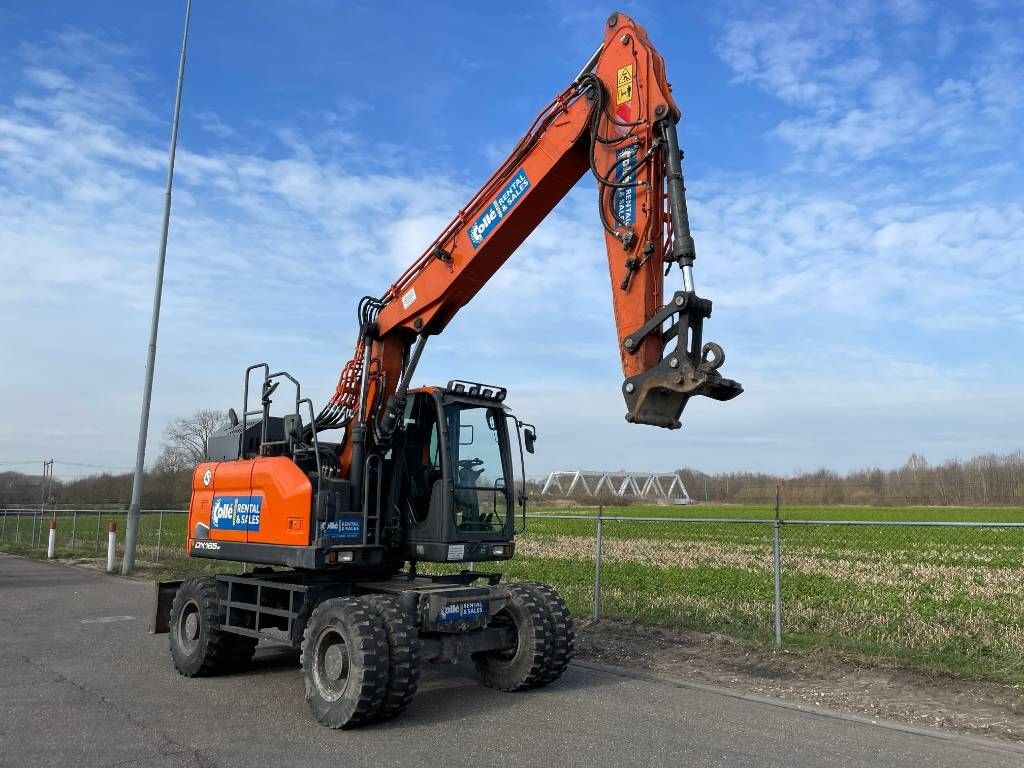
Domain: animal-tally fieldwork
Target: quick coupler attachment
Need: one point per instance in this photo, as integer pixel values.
(658, 395)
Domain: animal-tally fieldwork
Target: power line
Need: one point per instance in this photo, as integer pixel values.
(94, 466)
(122, 467)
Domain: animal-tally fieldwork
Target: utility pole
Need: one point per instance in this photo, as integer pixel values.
(47, 480)
(134, 509)
(43, 483)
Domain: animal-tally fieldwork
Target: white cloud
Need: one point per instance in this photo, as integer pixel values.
(939, 264)
(824, 294)
(857, 78)
(211, 123)
(268, 256)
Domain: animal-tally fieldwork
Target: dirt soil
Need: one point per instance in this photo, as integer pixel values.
(871, 688)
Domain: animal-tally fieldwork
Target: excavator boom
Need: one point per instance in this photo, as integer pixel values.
(617, 119)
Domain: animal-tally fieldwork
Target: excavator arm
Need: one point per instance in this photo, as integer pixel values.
(617, 120)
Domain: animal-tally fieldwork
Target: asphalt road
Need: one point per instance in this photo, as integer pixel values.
(83, 684)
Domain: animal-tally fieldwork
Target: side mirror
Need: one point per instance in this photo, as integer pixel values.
(529, 438)
(232, 417)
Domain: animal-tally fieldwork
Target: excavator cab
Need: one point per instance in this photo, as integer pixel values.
(451, 492)
(440, 489)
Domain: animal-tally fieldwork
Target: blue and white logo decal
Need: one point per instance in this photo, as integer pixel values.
(502, 204)
(236, 513)
(625, 197)
(347, 528)
(461, 611)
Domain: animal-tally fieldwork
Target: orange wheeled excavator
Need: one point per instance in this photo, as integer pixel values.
(428, 475)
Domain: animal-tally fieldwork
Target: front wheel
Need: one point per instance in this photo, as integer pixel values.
(561, 633)
(345, 662)
(403, 655)
(524, 664)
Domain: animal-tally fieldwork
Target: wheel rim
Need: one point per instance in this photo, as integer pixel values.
(187, 629)
(507, 656)
(330, 663)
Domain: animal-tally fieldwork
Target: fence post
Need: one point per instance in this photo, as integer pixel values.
(17, 525)
(159, 532)
(111, 547)
(99, 514)
(3, 527)
(777, 567)
(74, 526)
(51, 545)
(598, 542)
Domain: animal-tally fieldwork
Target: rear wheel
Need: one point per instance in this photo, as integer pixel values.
(403, 655)
(522, 665)
(561, 633)
(199, 646)
(344, 662)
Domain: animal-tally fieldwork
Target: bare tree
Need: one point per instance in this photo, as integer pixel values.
(185, 440)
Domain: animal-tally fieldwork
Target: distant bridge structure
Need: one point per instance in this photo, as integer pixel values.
(661, 486)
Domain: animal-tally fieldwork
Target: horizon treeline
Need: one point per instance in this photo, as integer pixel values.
(988, 480)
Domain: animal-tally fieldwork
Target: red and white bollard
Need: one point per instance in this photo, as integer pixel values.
(111, 547)
(52, 545)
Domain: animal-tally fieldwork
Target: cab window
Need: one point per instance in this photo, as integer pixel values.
(481, 501)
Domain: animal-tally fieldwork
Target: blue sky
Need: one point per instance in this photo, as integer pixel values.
(854, 172)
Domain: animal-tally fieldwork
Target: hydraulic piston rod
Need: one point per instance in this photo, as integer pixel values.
(683, 249)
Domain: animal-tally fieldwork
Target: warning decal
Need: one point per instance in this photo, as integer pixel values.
(624, 84)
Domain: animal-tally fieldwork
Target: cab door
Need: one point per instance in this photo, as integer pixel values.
(480, 468)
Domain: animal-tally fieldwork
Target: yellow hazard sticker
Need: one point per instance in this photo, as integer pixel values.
(624, 84)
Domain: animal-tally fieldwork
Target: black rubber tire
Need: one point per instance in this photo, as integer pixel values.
(520, 667)
(199, 646)
(561, 632)
(349, 625)
(403, 655)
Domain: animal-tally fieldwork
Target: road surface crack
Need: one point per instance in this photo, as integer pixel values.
(166, 745)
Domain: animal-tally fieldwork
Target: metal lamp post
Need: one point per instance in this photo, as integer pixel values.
(134, 509)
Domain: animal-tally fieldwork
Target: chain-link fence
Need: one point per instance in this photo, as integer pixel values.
(944, 592)
(877, 580)
(83, 533)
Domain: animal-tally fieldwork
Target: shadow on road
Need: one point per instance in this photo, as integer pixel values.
(451, 693)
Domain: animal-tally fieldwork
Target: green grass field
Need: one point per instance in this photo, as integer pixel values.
(947, 598)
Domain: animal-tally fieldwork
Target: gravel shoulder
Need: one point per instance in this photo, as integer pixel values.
(870, 688)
